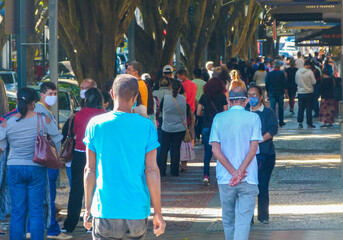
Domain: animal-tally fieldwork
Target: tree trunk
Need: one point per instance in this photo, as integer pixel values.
(197, 32)
(3, 99)
(154, 49)
(90, 32)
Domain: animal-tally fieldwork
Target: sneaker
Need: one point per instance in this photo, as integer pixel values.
(301, 125)
(88, 231)
(265, 222)
(63, 230)
(60, 236)
(282, 124)
(311, 126)
(206, 180)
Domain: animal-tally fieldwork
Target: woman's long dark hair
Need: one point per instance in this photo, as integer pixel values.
(176, 85)
(94, 98)
(25, 96)
(214, 87)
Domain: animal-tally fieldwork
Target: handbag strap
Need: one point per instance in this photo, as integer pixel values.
(214, 106)
(40, 119)
(183, 121)
(69, 128)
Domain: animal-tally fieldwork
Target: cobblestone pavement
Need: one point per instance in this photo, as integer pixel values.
(306, 195)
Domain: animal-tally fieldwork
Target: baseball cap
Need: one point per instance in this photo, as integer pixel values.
(145, 76)
(167, 69)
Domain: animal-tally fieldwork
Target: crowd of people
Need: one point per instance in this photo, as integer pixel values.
(225, 106)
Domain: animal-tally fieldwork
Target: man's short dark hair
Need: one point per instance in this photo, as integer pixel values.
(45, 86)
(197, 73)
(182, 72)
(138, 67)
(308, 62)
(258, 59)
(125, 86)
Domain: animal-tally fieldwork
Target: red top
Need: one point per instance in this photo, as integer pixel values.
(191, 91)
(80, 124)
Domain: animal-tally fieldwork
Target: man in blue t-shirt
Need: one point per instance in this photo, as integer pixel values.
(121, 173)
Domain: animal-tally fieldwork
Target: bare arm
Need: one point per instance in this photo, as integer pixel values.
(217, 152)
(267, 136)
(89, 185)
(153, 180)
(199, 109)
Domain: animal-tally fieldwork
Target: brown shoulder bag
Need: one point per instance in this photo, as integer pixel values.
(67, 148)
(45, 150)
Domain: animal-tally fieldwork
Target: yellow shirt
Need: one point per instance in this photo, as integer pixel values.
(143, 90)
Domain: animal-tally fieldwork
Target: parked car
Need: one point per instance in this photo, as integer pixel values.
(67, 103)
(10, 80)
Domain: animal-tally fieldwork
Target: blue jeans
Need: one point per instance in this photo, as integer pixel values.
(266, 164)
(68, 170)
(277, 99)
(238, 204)
(27, 189)
(54, 228)
(208, 150)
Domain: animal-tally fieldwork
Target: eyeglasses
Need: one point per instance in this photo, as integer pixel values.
(252, 95)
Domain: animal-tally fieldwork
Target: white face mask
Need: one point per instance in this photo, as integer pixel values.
(82, 94)
(50, 100)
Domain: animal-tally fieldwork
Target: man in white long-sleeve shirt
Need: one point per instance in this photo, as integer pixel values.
(305, 80)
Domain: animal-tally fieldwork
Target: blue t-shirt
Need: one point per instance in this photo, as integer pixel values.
(120, 141)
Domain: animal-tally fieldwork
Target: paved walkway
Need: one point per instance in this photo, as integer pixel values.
(306, 193)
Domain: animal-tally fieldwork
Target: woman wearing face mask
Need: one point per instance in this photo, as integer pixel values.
(94, 105)
(27, 180)
(266, 157)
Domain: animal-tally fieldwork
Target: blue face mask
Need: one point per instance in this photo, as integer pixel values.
(135, 105)
(253, 101)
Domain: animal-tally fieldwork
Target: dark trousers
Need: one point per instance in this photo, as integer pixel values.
(316, 95)
(76, 191)
(291, 94)
(170, 141)
(208, 150)
(266, 164)
(305, 101)
(277, 99)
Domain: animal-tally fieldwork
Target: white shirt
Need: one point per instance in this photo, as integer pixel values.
(234, 130)
(305, 80)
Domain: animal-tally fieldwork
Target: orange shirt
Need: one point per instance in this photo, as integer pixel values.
(143, 90)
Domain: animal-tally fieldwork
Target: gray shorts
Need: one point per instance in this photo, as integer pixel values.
(116, 229)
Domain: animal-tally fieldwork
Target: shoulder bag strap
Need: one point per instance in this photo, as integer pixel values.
(183, 121)
(69, 128)
(41, 119)
(214, 106)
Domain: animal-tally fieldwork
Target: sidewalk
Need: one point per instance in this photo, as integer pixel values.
(306, 196)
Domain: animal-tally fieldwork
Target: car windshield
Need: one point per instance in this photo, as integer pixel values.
(6, 77)
(63, 101)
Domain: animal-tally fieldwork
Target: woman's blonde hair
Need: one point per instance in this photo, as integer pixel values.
(234, 74)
